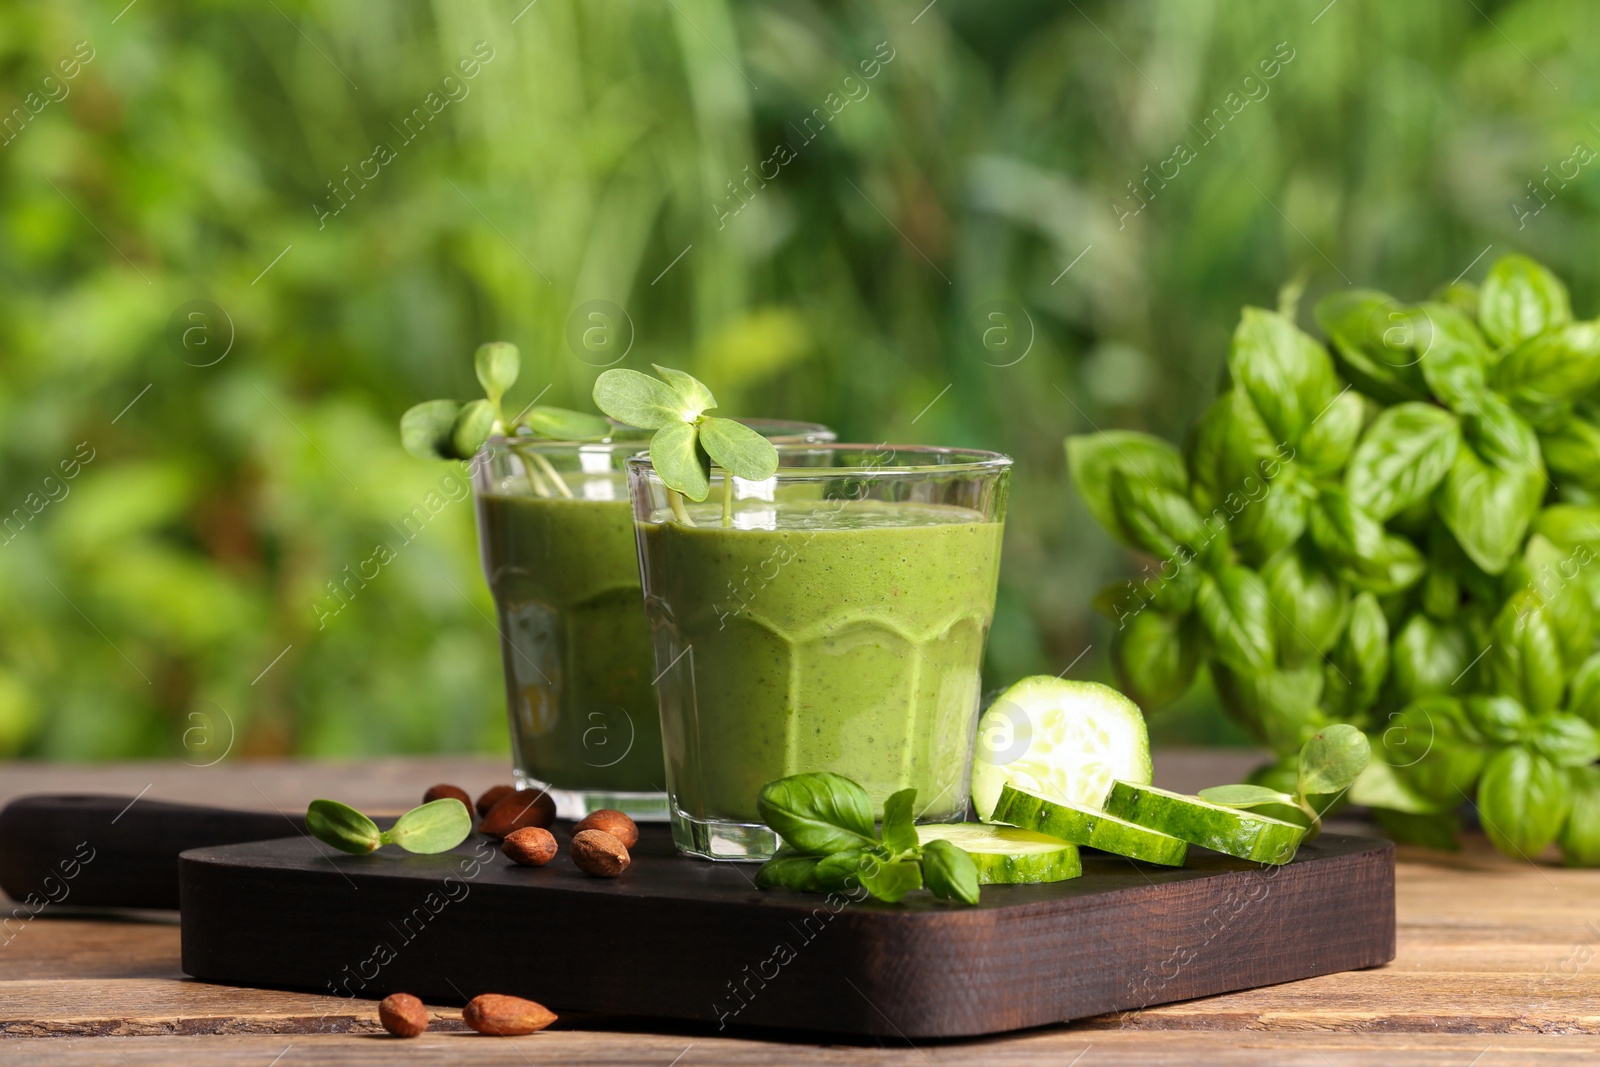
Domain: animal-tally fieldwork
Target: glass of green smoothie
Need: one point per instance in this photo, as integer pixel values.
(557, 541)
(830, 618)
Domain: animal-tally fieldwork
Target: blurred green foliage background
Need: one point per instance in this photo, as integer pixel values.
(161, 600)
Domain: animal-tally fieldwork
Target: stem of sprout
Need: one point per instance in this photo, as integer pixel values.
(679, 512)
(727, 499)
(550, 472)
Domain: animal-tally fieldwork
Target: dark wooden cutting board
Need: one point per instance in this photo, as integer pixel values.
(680, 938)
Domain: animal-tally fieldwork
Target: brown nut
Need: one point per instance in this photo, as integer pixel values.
(531, 846)
(612, 822)
(452, 792)
(495, 1013)
(527, 807)
(492, 796)
(598, 853)
(402, 1015)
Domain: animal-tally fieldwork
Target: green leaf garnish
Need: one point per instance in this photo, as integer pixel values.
(343, 827)
(899, 823)
(687, 440)
(425, 429)
(1333, 759)
(560, 424)
(497, 364)
(437, 826)
(1244, 796)
(473, 427)
(949, 872)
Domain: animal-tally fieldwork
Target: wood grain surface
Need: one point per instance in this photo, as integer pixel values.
(1495, 965)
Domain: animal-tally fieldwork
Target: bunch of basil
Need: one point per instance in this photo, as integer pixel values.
(1402, 534)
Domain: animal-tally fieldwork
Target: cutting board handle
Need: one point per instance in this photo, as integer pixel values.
(105, 851)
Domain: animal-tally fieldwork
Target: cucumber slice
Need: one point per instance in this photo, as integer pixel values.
(1237, 833)
(1056, 738)
(1006, 855)
(1087, 826)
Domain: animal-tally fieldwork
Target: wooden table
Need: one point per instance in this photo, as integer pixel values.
(1496, 966)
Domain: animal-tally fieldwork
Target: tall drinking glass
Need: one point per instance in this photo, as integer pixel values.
(557, 541)
(830, 618)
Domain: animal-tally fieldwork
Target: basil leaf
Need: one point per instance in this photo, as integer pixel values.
(1381, 786)
(1571, 527)
(1233, 608)
(1580, 838)
(1267, 526)
(1280, 708)
(1524, 800)
(695, 396)
(497, 365)
(472, 428)
(1333, 759)
(639, 400)
(1494, 487)
(1287, 375)
(1359, 661)
(889, 880)
(677, 457)
(899, 824)
(1441, 592)
(425, 429)
(1435, 750)
(1566, 740)
(437, 826)
(841, 870)
(950, 872)
(1092, 458)
(1584, 700)
(1309, 605)
(1365, 555)
(738, 449)
(1553, 367)
(343, 827)
(1374, 343)
(1157, 520)
(818, 813)
(788, 870)
(1500, 720)
(1403, 456)
(1572, 452)
(1327, 442)
(1156, 656)
(1244, 796)
(1521, 299)
(1526, 660)
(1230, 453)
(560, 424)
(1428, 657)
(1548, 574)
(1455, 357)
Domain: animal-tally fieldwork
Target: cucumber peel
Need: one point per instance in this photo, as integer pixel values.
(1239, 833)
(1007, 855)
(1088, 826)
(1058, 738)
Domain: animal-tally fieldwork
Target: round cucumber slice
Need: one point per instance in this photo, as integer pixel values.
(1088, 826)
(1244, 834)
(1058, 738)
(1006, 855)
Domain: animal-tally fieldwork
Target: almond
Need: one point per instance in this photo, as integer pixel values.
(495, 1013)
(402, 1015)
(442, 792)
(527, 807)
(598, 853)
(492, 796)
(531, 846)
(612, 822)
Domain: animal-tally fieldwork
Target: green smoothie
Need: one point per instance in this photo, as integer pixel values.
(565, 579)
(830, 635)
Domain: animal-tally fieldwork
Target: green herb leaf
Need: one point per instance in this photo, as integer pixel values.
(818, 813)
(1524, 800)
(1157, 520)
(497, 364)
(1359, 661)
(1455, 356)
(841, 871)
(1580, 837)
(1572, 452)
(1244, 796)
(1584, 700)
(1156, 656)
(1521, 299)
(899, 822)
(1526, 660)
(425, 429)
(1288, 376)
(437, 826)
(1374, 342)
(1326, 443)
(343, 827)
(1566, 740)
(891, 880)
(695, 396)
(1229, 453)
(949, 872)
(1333, 759)
(738, 449)
(1428, 657)
(1404, 454)
(560, 424)
(1500, 720)
(1435, 750)
(1236, 614)
(1092, 458)
(1309, 606)
(676, 454)
(788, 870)
(1553, 367)
(1435, 830)
(640, 400)
(472, 428)
(1280, 707)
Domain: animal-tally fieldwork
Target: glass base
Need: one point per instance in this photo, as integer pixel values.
(576, 803)
(722, 839)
